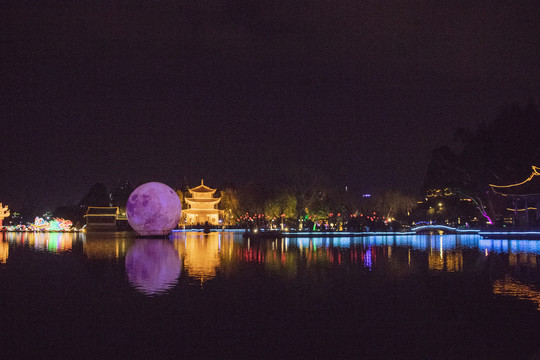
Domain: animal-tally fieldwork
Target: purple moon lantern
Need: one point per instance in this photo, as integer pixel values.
(153, 209)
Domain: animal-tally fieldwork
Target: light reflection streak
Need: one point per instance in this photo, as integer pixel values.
(512, 287)
(4, 251)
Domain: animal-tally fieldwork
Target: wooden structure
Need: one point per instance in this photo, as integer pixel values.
(101, 218)
(525, 198)
(202, 207)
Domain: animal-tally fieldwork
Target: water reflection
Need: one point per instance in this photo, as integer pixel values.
(107, 245)
(203, 253)
(47, 241)
(511, 246)
(401, 254)
(512, 287)
(152, 266)
(4, 251)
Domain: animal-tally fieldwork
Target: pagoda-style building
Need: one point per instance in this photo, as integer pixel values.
(525, 197)
(202, 206)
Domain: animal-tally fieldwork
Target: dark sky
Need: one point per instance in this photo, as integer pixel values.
(240, 91)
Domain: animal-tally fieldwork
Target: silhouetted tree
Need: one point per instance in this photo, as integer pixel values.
(68, 212)
(120, 195)
(230, 205)
(393, 204)
(499, 152)
(96, 196)
(309, 187)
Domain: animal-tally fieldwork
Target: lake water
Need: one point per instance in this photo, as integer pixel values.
(110, 295)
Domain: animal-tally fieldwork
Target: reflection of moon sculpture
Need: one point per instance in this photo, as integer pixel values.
(153, 209)
(152, 266)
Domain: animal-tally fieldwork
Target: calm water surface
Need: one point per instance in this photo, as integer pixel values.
(110, 295)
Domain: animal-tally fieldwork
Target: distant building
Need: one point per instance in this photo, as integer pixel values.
(202, 206)
(101, 218)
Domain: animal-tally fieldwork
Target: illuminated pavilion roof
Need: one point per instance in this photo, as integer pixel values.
(529, 187)
(209, 201)
(202, 189)
(101, 211)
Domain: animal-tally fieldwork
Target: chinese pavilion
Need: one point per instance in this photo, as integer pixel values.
(101, 218)
(525, 197)
(202, 206)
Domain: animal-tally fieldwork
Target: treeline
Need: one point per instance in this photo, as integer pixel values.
(499, 152)
(304, 199)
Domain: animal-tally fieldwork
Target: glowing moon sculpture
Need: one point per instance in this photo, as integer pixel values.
(153, 209)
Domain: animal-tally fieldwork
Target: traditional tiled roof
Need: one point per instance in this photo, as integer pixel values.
(202, 188)
(208, 201)
(100, 211)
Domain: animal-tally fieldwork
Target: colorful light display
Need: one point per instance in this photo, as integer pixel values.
(40, 224)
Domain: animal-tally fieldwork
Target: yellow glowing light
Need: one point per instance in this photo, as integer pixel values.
(4, 252)
(4, 213)
(535, 172)
(202, 206)
(201, 253)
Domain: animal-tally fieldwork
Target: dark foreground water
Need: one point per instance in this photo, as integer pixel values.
(216, 296)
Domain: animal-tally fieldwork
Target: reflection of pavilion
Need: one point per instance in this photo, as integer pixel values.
(202, 206)
(203, 253)
(4, 251)
(524, 195)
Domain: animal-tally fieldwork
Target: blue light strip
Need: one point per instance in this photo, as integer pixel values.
(343, 233)
(509, 232)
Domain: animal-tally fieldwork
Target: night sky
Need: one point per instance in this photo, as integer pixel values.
(243, 91)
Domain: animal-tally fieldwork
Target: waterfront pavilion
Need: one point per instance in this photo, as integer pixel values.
(202, 206)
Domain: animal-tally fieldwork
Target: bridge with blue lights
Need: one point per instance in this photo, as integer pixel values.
(442, 228)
